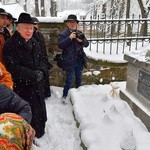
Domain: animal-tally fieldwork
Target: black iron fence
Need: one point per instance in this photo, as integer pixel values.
(116, 36)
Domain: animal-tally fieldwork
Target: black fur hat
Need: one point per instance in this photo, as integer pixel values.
(25, 18)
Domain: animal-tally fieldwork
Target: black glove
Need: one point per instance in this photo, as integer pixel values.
(40, 75)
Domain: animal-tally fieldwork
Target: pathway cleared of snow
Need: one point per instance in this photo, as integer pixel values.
(61, 131)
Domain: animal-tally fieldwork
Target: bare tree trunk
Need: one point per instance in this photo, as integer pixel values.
(112, 14)
(37, 8)
(25, 6)
(42, 8)
(129, 29)
(143, 30)
(53, 10)
(121, 13)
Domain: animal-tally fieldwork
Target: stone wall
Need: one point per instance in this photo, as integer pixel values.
(108, 71)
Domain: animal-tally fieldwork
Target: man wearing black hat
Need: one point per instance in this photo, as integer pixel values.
(40, 38)
(10, 25)
(72, 41)
(23, 58)
(3, 13)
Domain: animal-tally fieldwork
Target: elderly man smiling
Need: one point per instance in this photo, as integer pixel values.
(23, 58)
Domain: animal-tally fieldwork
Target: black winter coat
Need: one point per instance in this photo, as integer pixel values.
(11, 102)
(70, 49)
(40, 39)
(6, 34)
(22, 59)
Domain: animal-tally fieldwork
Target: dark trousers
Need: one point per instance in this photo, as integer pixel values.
(75, 72)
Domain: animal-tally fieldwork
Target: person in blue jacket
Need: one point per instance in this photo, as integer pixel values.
(10, 102)
(72, 41)
(15, 119)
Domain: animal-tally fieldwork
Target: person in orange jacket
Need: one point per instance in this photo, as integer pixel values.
(5, 77)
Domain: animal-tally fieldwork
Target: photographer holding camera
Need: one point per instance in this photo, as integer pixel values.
(72, 41)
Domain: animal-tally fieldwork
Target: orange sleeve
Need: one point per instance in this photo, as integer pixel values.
(1, 46)
(5, 77)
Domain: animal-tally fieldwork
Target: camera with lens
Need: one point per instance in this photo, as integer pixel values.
(79, 34)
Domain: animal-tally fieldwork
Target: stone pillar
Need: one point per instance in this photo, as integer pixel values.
(137, 92)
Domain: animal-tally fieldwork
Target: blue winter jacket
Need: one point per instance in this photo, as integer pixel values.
(11, 102)
(70, 49)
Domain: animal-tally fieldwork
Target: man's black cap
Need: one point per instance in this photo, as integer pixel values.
(3, 12)
(72, 18)
(35, 20)
(11, 17)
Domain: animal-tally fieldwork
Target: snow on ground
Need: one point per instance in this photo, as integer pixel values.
(106, 122)
(61, 132)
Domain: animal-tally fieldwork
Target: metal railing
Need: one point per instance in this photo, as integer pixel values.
(116, 36)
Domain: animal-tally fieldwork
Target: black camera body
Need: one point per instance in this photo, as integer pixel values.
(79, 34)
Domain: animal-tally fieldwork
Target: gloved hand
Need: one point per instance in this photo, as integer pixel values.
(40, 75)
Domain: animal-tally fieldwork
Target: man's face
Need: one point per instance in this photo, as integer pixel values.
(6, 21)
(2, 21)
(72, 25)
(25, 30)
